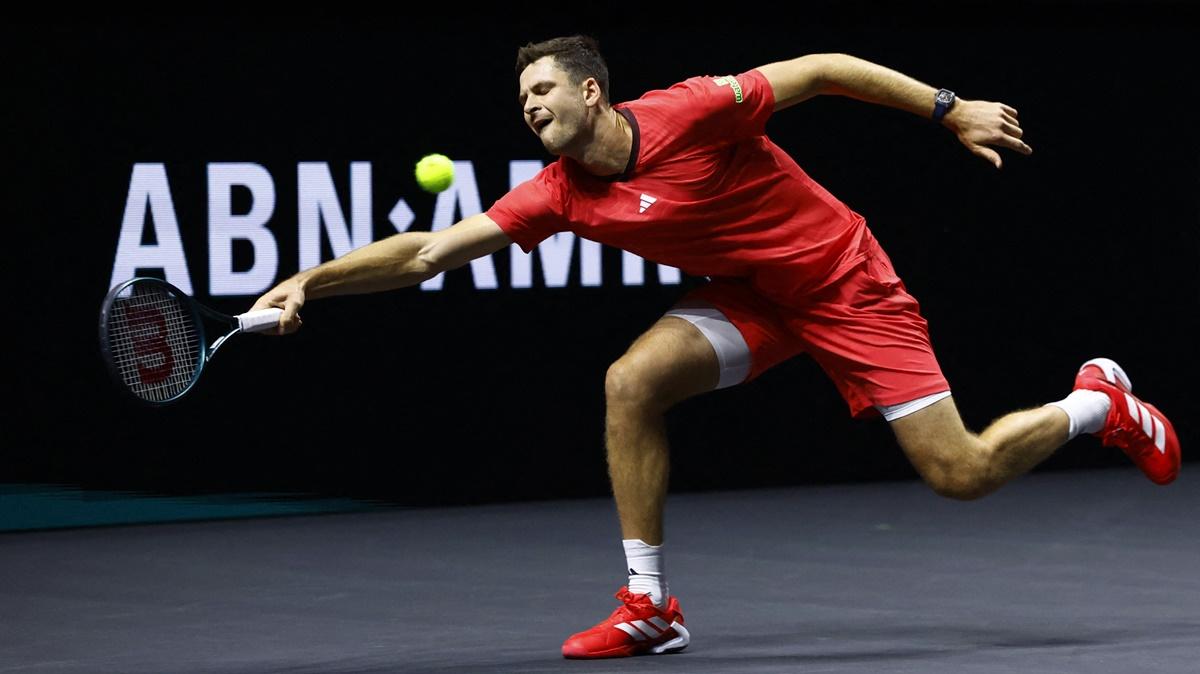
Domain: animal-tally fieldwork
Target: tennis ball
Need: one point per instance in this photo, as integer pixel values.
(435, 172)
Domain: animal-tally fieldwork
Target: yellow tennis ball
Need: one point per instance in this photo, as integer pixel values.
(435, 172)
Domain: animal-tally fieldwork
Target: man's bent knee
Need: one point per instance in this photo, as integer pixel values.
(960, 486)
(626, 384)
(671, 362)
(951, 460)
(954, 470)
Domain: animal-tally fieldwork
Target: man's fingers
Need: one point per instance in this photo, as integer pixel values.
(988, 154)
(271, 300)
(994, 125)
(1014, 144)
(289, 326)
(289, 321)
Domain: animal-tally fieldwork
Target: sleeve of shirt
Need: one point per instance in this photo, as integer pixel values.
(730, 108)
(531, 211)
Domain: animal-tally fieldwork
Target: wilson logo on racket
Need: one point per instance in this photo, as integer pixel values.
(149, 330)
(152, 337)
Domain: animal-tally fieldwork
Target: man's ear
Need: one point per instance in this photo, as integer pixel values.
(592, 94)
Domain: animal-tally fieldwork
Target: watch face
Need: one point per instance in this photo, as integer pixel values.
(944, 96)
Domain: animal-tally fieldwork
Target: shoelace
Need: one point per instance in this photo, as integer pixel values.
(1135, 438)
(628, 601)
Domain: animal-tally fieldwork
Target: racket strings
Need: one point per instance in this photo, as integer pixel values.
(155, 344)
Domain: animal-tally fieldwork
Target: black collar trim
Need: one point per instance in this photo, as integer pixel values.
(633, 150)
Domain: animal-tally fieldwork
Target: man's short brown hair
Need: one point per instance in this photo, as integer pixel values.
(578, 56)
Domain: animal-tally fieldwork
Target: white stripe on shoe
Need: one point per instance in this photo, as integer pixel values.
(646, 628)
(631, 631)
(1133, 408)
(1147, 422)
(1151, 425)
(660, 623)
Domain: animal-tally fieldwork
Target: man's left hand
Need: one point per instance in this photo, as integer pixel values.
(983, 125)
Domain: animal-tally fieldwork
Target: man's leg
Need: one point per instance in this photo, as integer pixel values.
(960, 464)
(670, 362)
(695, 348)
(868, 334)
(721, 334)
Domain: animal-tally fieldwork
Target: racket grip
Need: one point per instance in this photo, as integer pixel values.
(259, 321)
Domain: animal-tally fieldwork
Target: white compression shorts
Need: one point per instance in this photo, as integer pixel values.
(733, 356)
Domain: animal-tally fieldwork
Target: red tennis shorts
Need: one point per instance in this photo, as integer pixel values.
(865, 330)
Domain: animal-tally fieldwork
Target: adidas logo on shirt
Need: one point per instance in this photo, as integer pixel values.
(647, 202)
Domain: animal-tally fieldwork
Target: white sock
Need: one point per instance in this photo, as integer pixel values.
(1087, 411)
(646, 572)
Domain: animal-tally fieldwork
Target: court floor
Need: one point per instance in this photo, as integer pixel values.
(1093, 571)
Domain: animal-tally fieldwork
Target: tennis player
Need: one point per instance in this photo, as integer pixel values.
(686, 176)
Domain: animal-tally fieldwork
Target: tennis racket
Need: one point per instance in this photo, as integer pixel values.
(153, 337)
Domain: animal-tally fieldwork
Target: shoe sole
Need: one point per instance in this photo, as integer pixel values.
(674, 645)
(1113, 373)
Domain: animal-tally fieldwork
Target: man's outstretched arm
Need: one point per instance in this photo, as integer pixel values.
(979, 125)
(398, 261)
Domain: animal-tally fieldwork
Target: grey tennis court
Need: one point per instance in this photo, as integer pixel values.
(1071, 571)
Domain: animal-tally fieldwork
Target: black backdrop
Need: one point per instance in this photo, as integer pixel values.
(1088, 247)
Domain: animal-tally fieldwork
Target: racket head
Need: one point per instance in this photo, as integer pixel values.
(152, 339)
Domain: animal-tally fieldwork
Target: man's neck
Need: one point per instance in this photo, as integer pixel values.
(608, 153)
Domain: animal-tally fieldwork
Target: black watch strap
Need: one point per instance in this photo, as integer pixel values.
(942, 102)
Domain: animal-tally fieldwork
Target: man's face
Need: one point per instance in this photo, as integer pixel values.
(553, 108)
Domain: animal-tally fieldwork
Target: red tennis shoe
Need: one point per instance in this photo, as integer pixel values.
(637, 627)
(1138, 428)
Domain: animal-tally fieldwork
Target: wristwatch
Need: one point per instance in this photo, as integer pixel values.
(942, 104)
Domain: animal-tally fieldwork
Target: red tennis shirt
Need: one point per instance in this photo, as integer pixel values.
(705, 190)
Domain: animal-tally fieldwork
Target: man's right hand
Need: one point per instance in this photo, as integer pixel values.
(288, 296)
